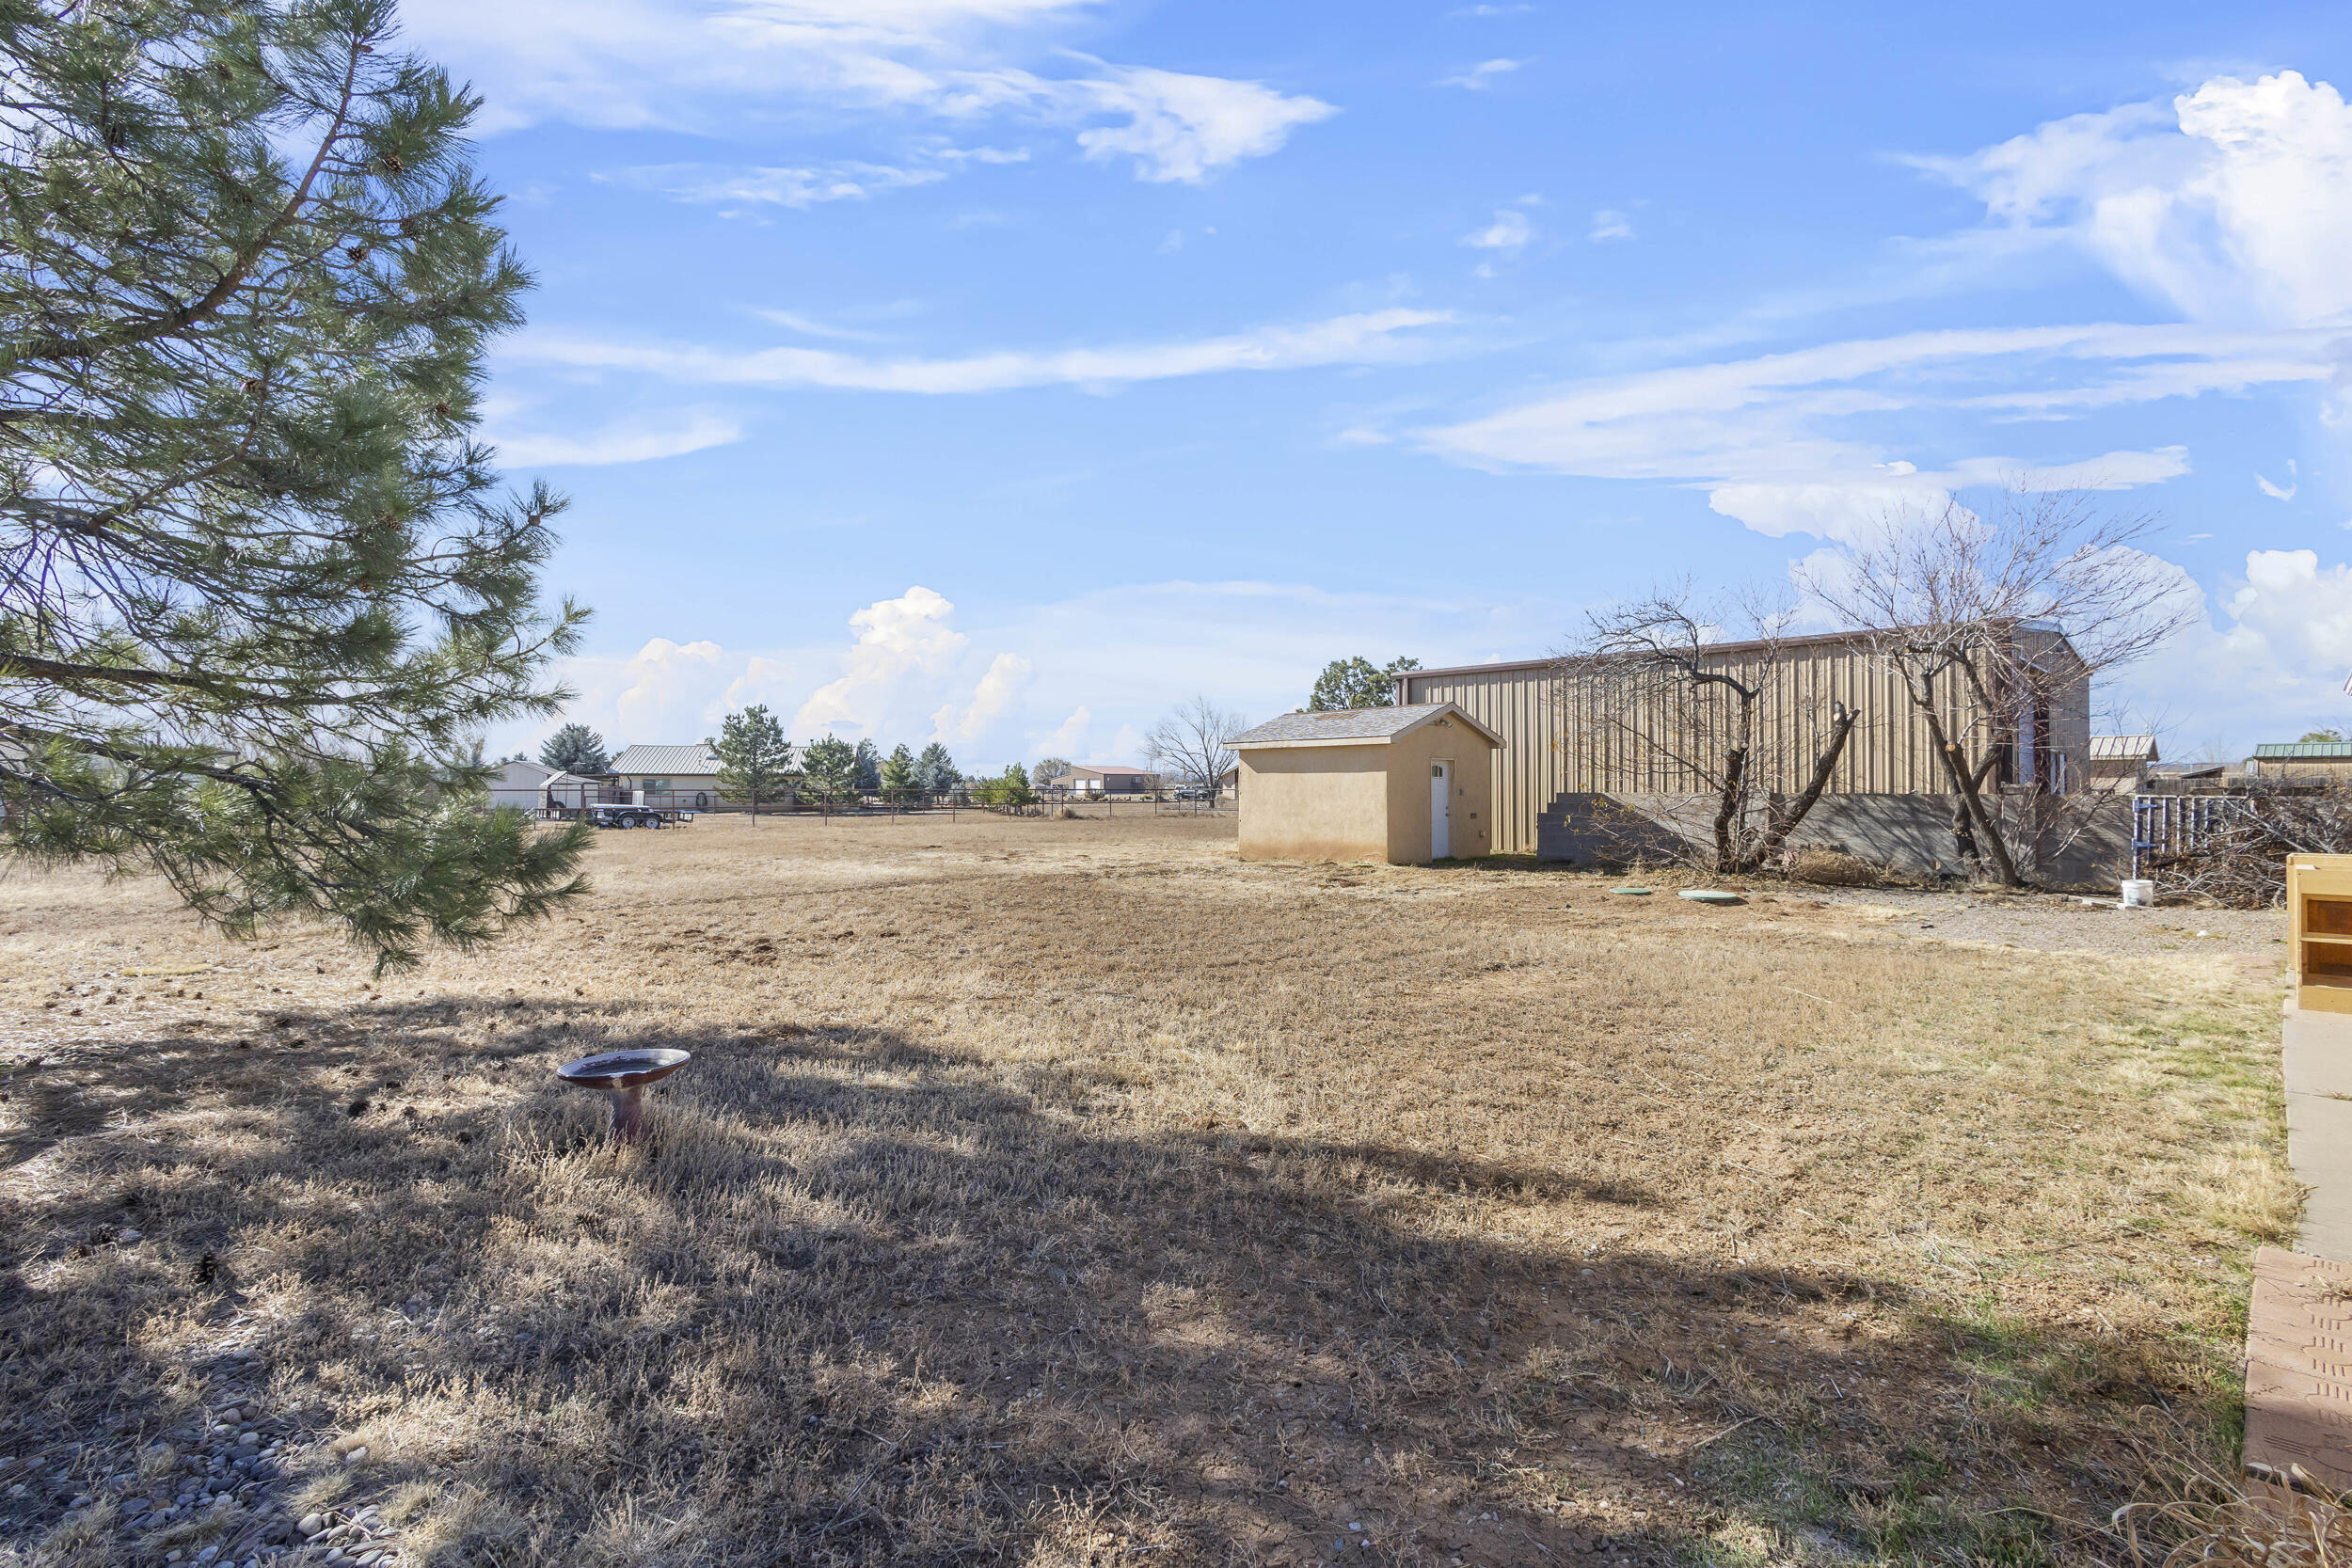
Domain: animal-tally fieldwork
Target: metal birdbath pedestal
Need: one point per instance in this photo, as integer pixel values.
(621, 1076)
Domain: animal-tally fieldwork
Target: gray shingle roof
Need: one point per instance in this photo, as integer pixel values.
(666, 761)
(1352, 724)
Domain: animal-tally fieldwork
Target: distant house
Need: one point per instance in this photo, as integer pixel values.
(682, 776)
(1105, 778)
(2303, 761)
(2120, 763)
(1229, 786)
(532, 786)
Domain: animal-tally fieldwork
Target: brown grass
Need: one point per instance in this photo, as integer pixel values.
(1060, 1193)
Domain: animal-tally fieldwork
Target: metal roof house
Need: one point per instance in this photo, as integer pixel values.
(1105, 778)
(680, 775)
(2308, 760)
(1401, 784)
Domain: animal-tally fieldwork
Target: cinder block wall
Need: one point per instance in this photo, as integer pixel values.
(1909, 832)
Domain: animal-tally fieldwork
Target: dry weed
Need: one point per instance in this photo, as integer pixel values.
(1066, 1192)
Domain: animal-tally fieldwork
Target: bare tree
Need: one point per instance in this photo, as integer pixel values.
(1996, 623)
(1195, 742)
(1662, 674)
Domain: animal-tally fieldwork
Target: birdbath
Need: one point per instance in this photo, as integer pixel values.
(622, 1076)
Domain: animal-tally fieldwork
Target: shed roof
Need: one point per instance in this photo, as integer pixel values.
(2304, 751)
(2124, 747)
(1106, 768)
(660, 761)
(1354, 726)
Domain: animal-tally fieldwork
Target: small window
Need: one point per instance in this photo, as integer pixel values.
(1436, 769)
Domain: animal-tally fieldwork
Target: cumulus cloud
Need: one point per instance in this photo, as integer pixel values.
(1068, 739)
(999, 689)
(1370, 337)
(718, 65)
(2265, 658)
(2232, 203)
(896, 638)
(990, 691)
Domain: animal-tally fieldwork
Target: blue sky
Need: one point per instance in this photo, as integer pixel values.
(1007, 371)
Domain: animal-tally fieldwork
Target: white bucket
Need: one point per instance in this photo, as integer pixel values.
(2139, 893)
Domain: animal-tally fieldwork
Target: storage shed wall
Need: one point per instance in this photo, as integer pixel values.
(1411, 757)
(1315, 803)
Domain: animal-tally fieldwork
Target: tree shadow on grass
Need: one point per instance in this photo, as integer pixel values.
(859, 1299)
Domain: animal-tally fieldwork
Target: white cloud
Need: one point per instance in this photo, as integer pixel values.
(1478, 78)
(999, 690)
(1070, 739)
(625, 440)
(2265, 659)
(809, 326)
(1784, 442)
(2233, 203)
(723, 66)
(2278, 492)
(713, 185)
(911, 673)
(1183, 128)
(899, 640)
(1510, 231)
(1610, 224)
(1372, 337)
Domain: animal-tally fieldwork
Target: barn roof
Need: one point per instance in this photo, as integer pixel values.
(1354, 726)
(666, 760)
(2123, 748)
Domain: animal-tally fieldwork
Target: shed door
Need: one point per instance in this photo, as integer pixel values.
(1441, 810)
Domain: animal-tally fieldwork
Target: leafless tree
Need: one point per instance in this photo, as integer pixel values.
(1998, 621)
(1195, 742)
(1654, 672)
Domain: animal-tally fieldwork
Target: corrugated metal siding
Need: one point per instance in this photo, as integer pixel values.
(1554, 742)
(1518, 706)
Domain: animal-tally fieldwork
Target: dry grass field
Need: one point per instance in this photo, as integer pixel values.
(1056, 1192)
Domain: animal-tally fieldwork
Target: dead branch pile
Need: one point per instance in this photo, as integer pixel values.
(2241, 863)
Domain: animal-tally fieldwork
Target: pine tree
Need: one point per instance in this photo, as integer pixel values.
(753, 756)
(576, 748)
(898, 773)
(868, 768)
(935, 770)
(830, 765)
(258, 592)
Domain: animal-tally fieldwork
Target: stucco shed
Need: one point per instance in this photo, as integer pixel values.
(1401, 784)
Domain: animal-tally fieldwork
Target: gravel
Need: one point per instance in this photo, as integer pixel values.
(2054, 922)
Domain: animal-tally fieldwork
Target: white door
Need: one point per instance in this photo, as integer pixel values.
(1441, 810)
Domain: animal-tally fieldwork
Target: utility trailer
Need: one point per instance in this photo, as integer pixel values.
(634, 817)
